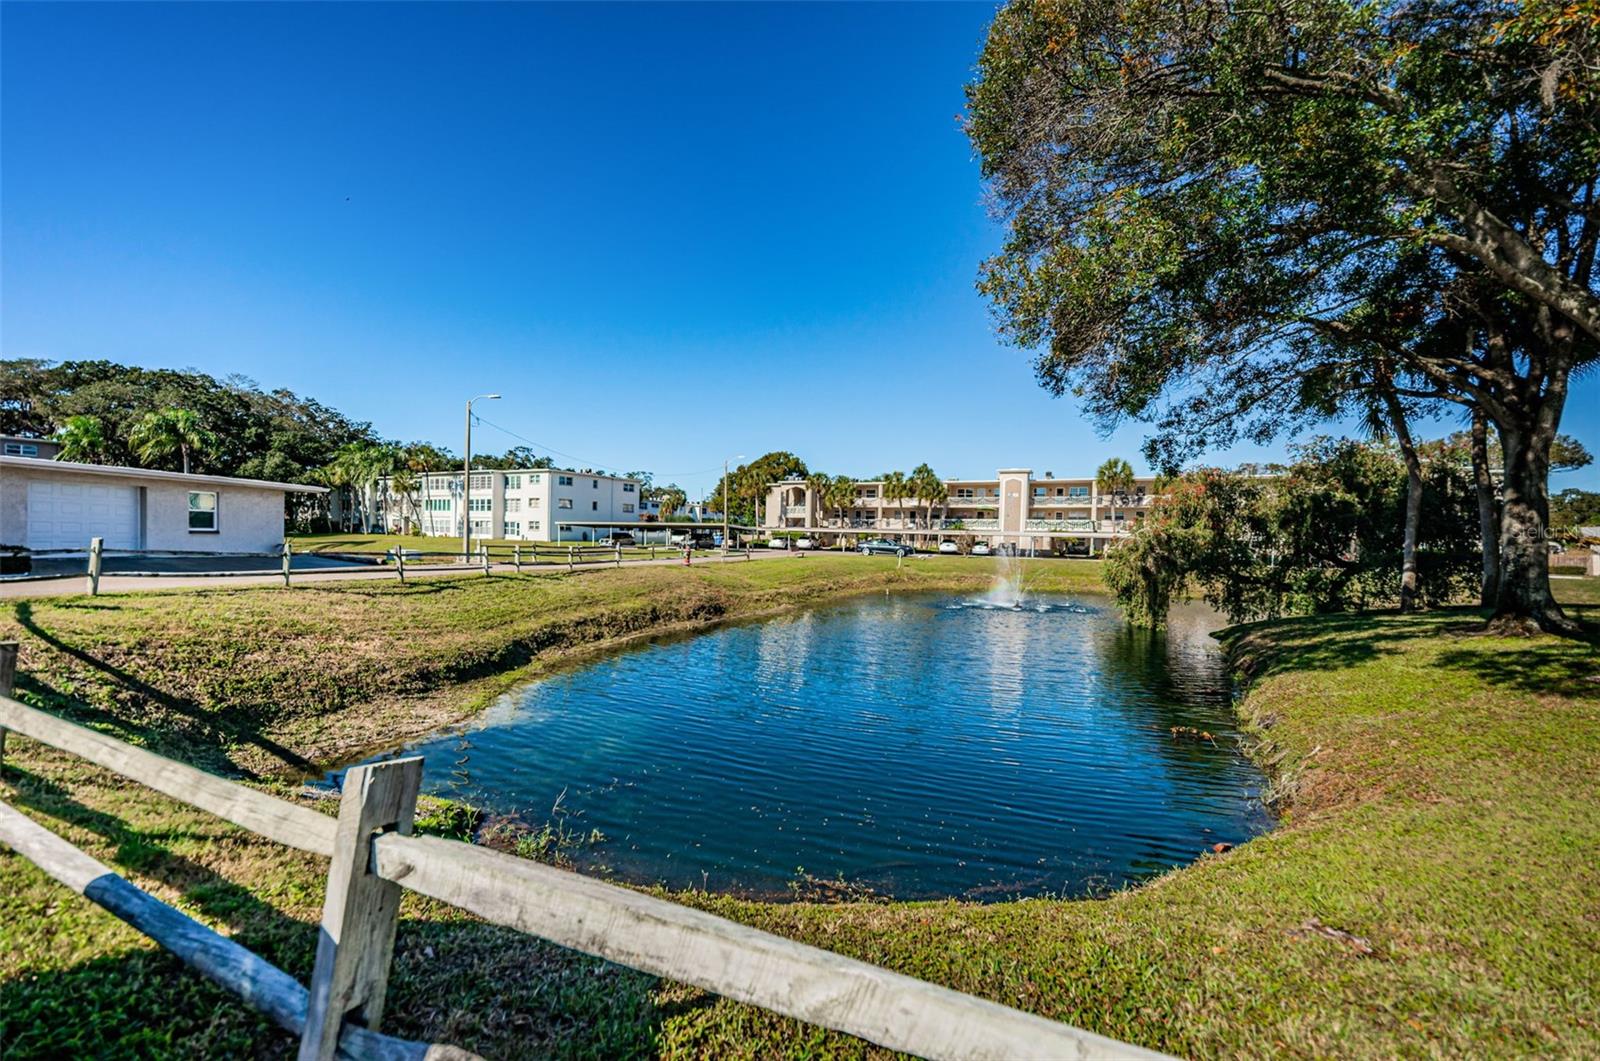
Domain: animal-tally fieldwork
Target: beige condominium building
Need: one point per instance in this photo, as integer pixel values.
(1013, 508)
(528, 504)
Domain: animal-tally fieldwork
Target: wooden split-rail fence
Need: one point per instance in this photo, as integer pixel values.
(373, 855)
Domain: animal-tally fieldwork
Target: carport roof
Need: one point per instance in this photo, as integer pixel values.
(41, 464)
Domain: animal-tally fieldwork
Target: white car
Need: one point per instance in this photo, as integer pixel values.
(804, 543)
(949, 548)
(981, 549)
(778, 543)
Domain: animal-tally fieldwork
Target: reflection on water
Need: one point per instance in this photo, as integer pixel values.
(919, 746)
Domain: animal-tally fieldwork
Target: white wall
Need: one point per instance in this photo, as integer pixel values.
(249, 519)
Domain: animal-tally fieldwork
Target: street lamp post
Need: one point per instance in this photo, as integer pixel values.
(466, 483)
(740, 457)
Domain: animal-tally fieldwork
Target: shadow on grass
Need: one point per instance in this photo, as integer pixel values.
(493, 991)
(217, 727)
(211, 894)
(1336, 642)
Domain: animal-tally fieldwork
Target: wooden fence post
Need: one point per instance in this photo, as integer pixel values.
(619, 556)
(516, 558)
(8, 685)
(96, 548)
(569, 558)
(288, 551)
(400, 562)
(483, 556)
(356, 944)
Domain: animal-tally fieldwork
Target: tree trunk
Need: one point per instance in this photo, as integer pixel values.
(1488, 515)
(1523, 601)
(1408, 451)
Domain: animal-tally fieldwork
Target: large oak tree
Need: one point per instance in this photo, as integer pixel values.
(1205, 200)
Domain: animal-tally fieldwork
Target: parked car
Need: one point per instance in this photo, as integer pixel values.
(981, 549)
(804, 542)
(949, 548)
(698, 539)
(620, 538)
(778, 543)
(883, 547)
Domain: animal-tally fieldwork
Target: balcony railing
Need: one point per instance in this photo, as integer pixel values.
(974, 502)
(1068, 526)
(792, 511)
(971, 524)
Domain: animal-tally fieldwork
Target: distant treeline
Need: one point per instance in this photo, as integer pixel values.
(241, 429)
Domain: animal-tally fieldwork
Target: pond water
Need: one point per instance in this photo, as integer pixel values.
(921, 746)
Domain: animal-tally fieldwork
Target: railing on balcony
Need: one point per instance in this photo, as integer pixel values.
(974, 502)
(1069, 526)
(971, 524)
(795, 511)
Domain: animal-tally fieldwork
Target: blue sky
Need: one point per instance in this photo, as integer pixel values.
(591, 209)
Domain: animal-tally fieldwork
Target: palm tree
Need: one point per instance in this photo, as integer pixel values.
(817, 485)
(896, 487)
(83, 439)
(403, 483)
(362, 465)
(672, 498)
(841, 491)
(928, 488)
(158, 435)
(1115, 478)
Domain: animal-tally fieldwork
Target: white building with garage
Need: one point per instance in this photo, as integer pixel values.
(58, 505)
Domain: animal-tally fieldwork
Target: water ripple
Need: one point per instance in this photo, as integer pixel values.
(920, 746)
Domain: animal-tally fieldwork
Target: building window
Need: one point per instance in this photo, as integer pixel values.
(565, 502)
(513, 504)
(202, 511)
(480, 504)
(563, 480)
(512, 529)
(535, 478)
(513, 482)
(482, 482)
(594, 506)
(21, 449)
(439, 504)
(535, 502)
(595, 483)
(627, 507)
(1077, 491)
(627, 488)
(480, 527)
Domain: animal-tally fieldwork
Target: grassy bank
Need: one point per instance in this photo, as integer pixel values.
(275, 682)
(1432, 889)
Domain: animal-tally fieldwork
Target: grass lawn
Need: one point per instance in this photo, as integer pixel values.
(1434, 888)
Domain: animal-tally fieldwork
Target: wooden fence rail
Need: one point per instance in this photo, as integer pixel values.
(372, 852)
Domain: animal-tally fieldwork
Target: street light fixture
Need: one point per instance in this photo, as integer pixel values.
(466, 483)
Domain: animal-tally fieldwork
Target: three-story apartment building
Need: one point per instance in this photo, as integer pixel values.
(1012, 509)
(527, 504)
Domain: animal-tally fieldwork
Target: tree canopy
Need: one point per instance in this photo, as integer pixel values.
(1222, 217)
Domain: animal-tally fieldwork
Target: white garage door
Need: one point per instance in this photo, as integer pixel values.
(67, 515)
